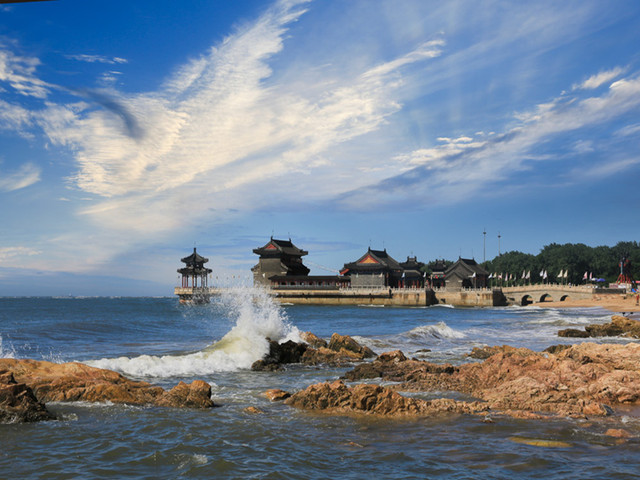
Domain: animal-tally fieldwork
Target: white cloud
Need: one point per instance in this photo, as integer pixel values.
(19, 73)
(600, 78)
(7, 253)
(26, 175)
(96, 59)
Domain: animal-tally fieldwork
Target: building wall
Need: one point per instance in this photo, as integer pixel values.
(367, 281)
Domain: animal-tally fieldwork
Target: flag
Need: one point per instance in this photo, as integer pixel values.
(474, 275)
(561, 274)
(591, 276)
(542, 273)
(490, 276)
(566, 273)
(545, 275)
(584, 277)
(529, 275)
(524, 274)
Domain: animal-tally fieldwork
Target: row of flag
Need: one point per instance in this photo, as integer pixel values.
(526, 275)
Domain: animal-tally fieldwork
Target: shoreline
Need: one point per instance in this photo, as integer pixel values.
(625, 303)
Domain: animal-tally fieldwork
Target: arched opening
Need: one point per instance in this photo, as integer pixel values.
(526, 300)
(546, 298)
(564, 297)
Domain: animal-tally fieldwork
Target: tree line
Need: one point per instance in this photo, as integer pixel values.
(601, 262)
(575, 259)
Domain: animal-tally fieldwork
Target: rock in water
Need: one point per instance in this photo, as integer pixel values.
(68, 382)
(18, 404)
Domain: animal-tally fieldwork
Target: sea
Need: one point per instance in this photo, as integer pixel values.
(158, 340)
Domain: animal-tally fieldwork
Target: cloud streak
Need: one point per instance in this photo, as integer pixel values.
(25, 176)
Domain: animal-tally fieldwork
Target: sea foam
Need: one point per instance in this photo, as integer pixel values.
(256, 316)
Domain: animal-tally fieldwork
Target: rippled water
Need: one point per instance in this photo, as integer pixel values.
(160, 341)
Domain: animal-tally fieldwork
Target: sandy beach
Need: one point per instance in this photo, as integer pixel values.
(626, 303)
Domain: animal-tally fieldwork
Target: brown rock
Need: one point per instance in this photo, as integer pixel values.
(482, 353)
(336, 397)
(339, 343)
(573, 333)
(194, 395)
(18, 404)
(581, 380)
(66, 382)
(312, 340)
(619, 326)
(618, 433)
(280, 354)
(253, 410)
(276, 394)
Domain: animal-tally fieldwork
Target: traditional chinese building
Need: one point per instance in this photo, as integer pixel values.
(278, 258)
(194, 273)
(437, 274)
(466, 273)
(412, 276)
(376, 268)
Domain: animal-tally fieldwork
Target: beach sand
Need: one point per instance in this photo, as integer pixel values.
(625, 303)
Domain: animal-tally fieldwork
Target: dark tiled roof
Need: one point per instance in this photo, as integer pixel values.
(194, 258)
(285, 247)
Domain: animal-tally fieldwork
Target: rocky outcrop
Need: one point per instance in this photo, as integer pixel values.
(280, 354)
(581, 380)
(341, 350)
(618, 327)
(336, 397)
(18, 404)
(69, 382)
(482, 353)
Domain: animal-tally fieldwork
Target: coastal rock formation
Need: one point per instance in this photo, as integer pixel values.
(482, 353)
(341, 349)
(336, 397)
(68, 382)
(582, 380)
(18, 404)
(618, 327)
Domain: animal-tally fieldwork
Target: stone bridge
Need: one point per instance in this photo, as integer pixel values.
(528, 294)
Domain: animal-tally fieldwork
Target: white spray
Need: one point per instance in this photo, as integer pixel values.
(257, 317)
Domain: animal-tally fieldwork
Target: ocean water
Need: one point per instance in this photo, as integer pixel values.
(160, 341)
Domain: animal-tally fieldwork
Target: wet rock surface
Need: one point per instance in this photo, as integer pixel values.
(18, 403)
(618, 327)
(69, 382)
(581, 380)
(340, 350)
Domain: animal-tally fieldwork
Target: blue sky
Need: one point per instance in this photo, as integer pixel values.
(132, 131)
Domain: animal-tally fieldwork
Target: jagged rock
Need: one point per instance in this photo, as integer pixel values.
(276, 394)
(253, 410)
(395, 367)
(556, 348)
(573, 333)
(18, 404)
(336, 397)
(194, 395)
(279, 354)
(482, 353)
(581, 380)
(67, 382)
(341, 350)
(619, 326)
(313, 340)
(339, 343)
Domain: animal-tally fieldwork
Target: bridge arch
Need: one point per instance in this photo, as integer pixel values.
(545, 297)
(526, 300)
(564, 297)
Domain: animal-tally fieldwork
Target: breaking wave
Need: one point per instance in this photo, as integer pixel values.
(439, 331)
(6, 351)
(257, 317)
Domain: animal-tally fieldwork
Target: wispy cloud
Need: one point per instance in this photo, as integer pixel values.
(97, 59)
(19, 73)
(7, 253)
(599, 79)
(455, 169)
(26, 175)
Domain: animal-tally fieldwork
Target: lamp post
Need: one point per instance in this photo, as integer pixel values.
(499, 236)
(484, 245)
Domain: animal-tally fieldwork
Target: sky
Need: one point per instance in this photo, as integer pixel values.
(132, 132)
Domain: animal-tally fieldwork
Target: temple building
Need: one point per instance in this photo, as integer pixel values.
(376, 268)
(437, 277)
(412, 276)
(278, 258)
(466, 273)
(194, 273)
